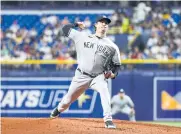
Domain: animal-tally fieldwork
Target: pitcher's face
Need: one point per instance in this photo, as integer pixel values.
(102, 26)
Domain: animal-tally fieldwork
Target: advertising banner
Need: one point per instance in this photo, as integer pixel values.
(37, 96)
(156, 95)
(167, 98)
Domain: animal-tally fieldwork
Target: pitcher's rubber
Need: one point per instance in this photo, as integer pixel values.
(79, 126)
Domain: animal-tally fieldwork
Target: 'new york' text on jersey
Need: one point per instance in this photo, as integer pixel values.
(92, 51)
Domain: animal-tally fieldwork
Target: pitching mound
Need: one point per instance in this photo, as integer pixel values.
(79, 126)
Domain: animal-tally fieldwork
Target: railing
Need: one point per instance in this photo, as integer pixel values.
(126, 61)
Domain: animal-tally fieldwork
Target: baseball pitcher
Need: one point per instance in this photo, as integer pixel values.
(122, 103)
(98, 59)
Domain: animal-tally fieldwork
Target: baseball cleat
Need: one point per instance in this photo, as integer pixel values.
(55, 113)
(109, 124)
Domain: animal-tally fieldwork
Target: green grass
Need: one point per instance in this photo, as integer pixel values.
(176, 124)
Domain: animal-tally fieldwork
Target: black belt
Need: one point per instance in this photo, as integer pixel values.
(92, 76)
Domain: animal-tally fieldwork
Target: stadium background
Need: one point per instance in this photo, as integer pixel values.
(142, 30)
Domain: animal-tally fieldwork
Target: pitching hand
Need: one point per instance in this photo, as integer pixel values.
(81, 25)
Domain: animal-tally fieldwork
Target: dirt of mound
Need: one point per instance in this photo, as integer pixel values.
(79, 126)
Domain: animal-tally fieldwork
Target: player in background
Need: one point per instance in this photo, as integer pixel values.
(98, 59)
(122, 103)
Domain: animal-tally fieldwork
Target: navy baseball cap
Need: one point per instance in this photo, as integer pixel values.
(100, 18)
(121, 90)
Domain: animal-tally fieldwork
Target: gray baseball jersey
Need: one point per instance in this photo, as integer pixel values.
(92, 52)
(116, 100)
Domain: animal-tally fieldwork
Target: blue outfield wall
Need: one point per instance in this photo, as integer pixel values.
(36, 93)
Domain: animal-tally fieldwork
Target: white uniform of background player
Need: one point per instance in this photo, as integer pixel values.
(94, 52)
(122, 103)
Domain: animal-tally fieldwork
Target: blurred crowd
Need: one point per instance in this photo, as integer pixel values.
(20, 43)
(158, 29)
